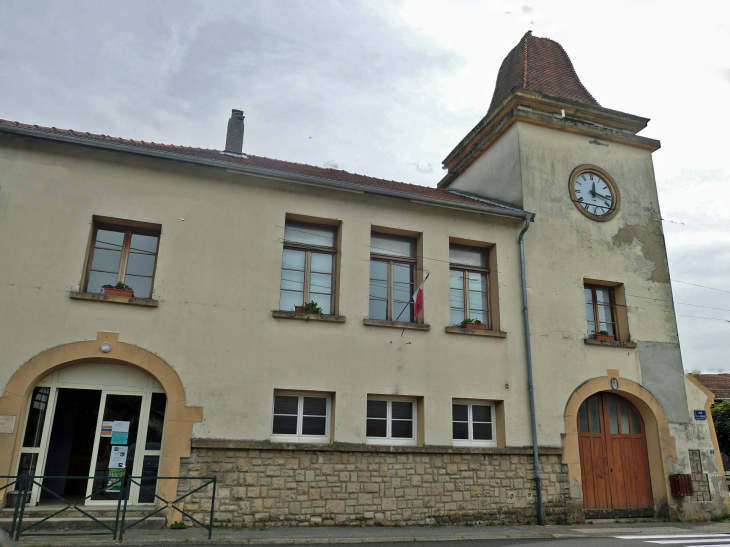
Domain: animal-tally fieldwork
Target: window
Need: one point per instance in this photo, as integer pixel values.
(307, 268)
(600, 309)
(122, 254)
(301, 417)
(391, 421)
(473, 423)
(392, 269)
(469, 284)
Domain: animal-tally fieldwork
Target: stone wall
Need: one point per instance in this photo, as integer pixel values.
(354, 485)
(700, 481)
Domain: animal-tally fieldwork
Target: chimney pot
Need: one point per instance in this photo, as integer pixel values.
(234, 137)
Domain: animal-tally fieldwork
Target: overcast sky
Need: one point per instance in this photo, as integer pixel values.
(388, 89)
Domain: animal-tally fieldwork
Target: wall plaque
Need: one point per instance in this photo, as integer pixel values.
(7, 424)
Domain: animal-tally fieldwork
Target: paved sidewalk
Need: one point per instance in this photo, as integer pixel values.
(306, 535)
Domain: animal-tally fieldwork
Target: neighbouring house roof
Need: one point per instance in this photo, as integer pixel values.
(539, 64)
(272, 165)
(719, 384)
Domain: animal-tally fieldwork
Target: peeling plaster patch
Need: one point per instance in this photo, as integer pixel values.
(652, 246)
(597, 142)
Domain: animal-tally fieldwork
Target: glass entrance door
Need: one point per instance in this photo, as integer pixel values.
(116, 444)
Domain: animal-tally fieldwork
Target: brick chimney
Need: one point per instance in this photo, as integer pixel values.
(234, 137)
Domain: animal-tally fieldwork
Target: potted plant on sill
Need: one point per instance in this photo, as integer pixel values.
(120, 289)
(603, 335)
(309, 307)
(473, 324)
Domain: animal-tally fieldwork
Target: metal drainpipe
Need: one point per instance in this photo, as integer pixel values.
(531, 388)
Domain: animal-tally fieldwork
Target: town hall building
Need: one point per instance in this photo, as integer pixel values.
(214, 313)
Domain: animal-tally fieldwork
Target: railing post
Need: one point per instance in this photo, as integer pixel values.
(119, 507)
(125, 489)
(212, 508)
(27, 481)
(19, 486)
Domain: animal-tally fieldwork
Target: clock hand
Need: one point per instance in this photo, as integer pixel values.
(593, 189)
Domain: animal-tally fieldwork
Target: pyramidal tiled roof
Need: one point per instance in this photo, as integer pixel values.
(539, 64)
(266, 163)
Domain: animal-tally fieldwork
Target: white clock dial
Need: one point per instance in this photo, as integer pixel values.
(593, 194)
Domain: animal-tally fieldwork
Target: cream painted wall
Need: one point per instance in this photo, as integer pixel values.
(217, 282)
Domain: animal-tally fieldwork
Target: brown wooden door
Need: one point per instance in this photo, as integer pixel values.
(614, 460)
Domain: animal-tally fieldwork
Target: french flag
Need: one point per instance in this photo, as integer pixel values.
(418, 298)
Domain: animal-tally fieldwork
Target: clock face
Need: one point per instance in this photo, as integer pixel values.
(594, 194)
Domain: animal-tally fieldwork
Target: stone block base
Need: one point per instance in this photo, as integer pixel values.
(319, 485)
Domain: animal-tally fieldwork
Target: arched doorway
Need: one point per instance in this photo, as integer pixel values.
(613, 458)
(93, 420)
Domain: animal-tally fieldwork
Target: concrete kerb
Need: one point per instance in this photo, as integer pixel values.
(348, 535)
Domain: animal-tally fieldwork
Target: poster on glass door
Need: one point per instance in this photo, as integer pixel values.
(118, 458)
(120, 432)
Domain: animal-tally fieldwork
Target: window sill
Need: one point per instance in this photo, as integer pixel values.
(294, 439)
(610, 343)
(279, 314)
(395, 324)
(477, 332)
(146, 302)
(374, 441)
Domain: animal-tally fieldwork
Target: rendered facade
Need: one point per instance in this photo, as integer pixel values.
(359, 411)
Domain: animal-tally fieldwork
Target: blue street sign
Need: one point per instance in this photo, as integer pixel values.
(700, 415)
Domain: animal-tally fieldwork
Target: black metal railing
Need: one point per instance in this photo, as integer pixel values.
(117, 485)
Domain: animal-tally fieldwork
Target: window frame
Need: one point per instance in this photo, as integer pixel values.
(129, 231)
(308, 249)
(298, 437)
(596, 317)
(471, 441)
(398, 441)
(465, 269)
(390, 260)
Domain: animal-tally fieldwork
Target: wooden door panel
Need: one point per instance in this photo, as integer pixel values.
(616, 473)
(603, 496)
(629, 466)
(642, 474)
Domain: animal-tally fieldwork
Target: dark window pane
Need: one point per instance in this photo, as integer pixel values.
(150, 465)
(636, 423)
(400, 410)
(308, 234)
(595, 418)
(624, 411)
(106, 261)
(386, 244)
(27, 464)
(376, 428)
(612, 416)
(140, 264)
(143, 243)
(377, 409)
(461, 430)
(401, 429)
(142, 286)
(583, 417)
(36, 417)
(315, 406)
(468, 256)
(97, 280)
(460, 413)
(156, 422)
(286, 404)
(482, 432)
(378, 309)
(285, 425)
(481, 413)
(109, 239)
(314, 426)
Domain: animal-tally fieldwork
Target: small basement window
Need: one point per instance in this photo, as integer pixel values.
(391, 421)
(473, 423)
(301, 417)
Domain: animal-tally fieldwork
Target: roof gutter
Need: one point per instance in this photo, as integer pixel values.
(258, 171)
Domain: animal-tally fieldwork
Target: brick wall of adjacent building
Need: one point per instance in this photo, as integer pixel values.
(262, 483)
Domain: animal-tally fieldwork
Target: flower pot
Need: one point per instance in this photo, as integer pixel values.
(608, 337)
(476, 326)
(118, 292)
(299, 309)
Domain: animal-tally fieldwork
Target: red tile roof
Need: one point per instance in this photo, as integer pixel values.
(719, 384)
(267, 163)
(539, 64)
